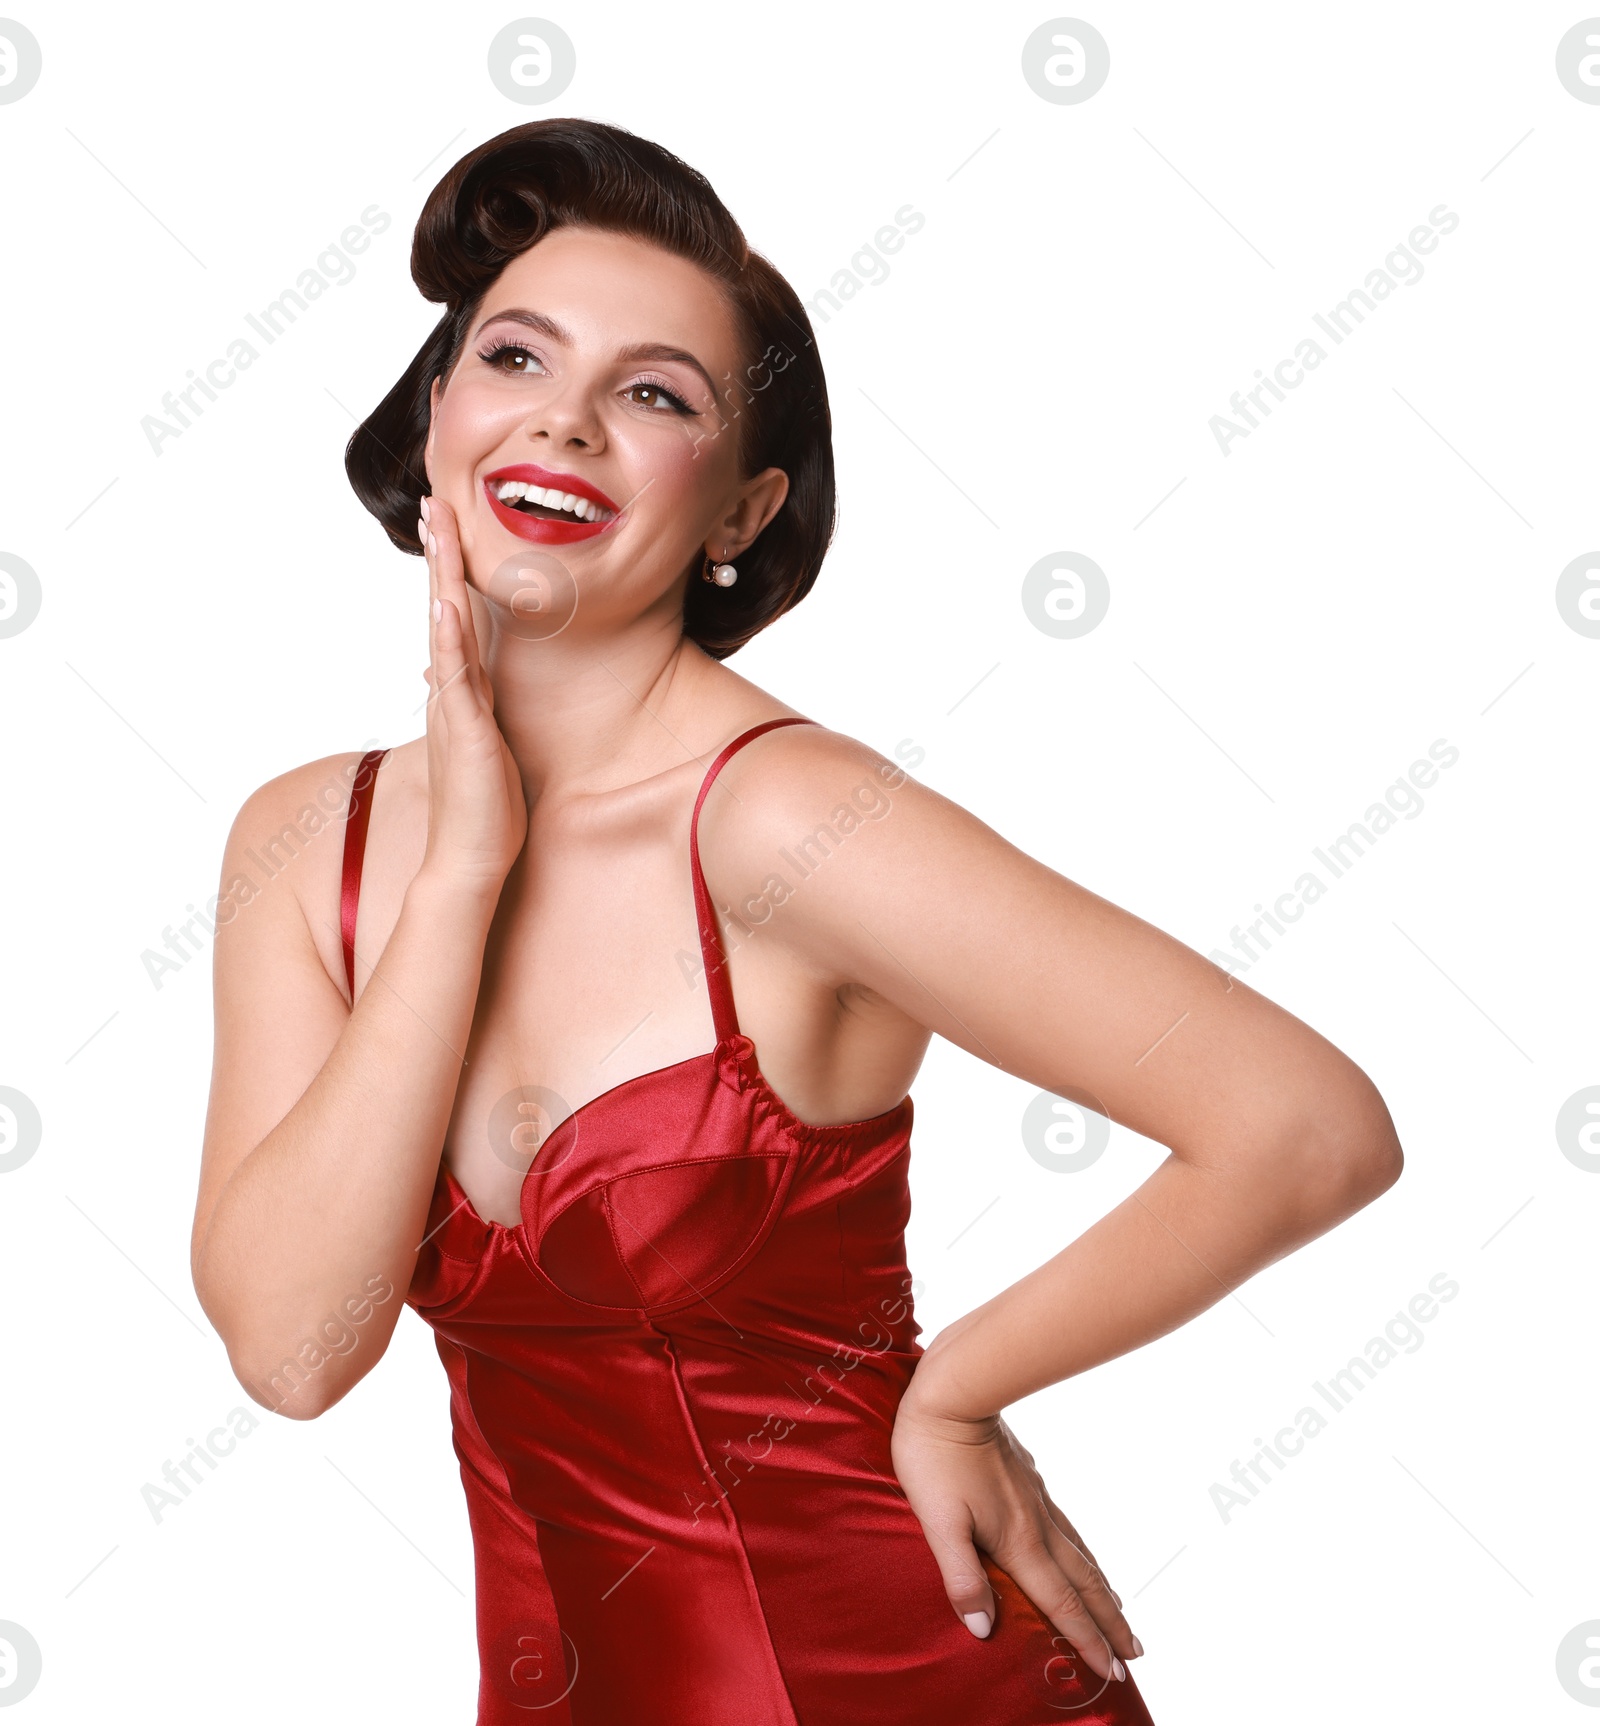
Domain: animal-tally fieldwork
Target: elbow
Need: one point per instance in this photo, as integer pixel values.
(282, 1382)
(1366, 1173)
(1372, 1157)
(298, 1405)
(1326, 1158)
(282, 1390)
(300, 1376)
(292, 1387)
(1355, 1154)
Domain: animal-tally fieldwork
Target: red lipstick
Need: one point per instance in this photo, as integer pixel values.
(561, 503)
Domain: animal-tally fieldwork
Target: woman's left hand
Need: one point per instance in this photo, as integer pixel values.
(974, 1486)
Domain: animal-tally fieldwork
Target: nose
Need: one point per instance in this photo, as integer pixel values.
(566, 419)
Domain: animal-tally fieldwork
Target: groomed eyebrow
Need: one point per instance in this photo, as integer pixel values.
(660, 351)
(548, 326)
(534, 320)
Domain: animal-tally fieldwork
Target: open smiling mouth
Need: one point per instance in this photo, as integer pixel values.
(548, 504)
(551, 508)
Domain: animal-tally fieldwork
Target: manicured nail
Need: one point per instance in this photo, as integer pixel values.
(424, 508)
(422, 530)
(1118, 1670)
(438, 610)
(977, 1622)
(433, 545)
(1138, 1647)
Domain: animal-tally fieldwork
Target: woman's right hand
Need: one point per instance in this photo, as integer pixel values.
(477, 814)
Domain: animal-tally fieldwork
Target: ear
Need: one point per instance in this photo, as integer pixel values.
(758, 501)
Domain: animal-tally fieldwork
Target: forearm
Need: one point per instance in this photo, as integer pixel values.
(337, 1194)
(1192, 1233)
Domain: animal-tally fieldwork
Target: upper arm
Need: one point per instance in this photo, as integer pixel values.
(887, 886)
(278, 1012)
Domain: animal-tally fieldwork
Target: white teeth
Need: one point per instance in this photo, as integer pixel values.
(509, 490)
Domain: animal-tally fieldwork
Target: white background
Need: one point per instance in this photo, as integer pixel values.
(1372, 569)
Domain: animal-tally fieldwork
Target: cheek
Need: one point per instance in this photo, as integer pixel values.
(687, 468)
(467, 425)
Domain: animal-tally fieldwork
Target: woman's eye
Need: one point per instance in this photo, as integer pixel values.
(657, 397)
(497, 355)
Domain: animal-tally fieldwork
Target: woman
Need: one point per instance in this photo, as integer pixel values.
(713, 1477)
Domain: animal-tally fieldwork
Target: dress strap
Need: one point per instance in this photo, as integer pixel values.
(711, 954)
(355, 848)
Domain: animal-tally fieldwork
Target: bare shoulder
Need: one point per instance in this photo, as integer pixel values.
(290, 812)
(883, 886)
(285, 851)
(789, 779)
(803, 797)
(800, 776)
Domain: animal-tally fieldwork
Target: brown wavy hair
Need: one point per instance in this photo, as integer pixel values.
(505, 196)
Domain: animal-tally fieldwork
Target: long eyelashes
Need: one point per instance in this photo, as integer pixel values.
(679, 405)
(493, 356)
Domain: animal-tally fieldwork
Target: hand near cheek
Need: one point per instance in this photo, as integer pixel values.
(486, 685)
(477, 812)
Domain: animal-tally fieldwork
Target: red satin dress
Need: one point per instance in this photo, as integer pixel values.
(672, 1390)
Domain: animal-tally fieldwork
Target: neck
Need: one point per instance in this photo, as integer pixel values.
(584, 713)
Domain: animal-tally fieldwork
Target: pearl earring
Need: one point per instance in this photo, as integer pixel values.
(723, 574)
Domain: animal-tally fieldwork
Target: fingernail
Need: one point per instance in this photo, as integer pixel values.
(424, 508)
(433, 544)
(438, 610)
(1118, 1670)
(422, 530)
(978, 1623)
(1138, 1647)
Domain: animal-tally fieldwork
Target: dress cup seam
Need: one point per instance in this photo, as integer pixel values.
(480, 1267)
(605, 1185)
(644, 1309)
(460, 1258)
(616, 1242)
